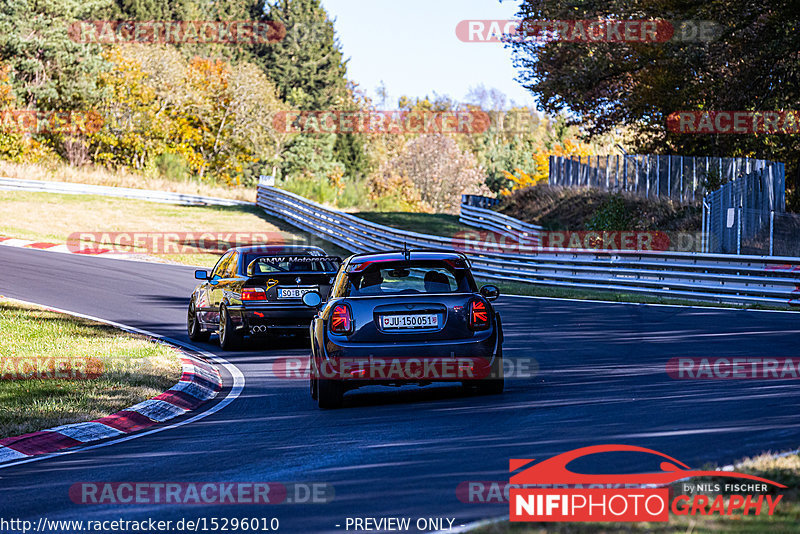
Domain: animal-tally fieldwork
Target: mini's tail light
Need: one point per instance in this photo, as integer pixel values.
(478, 315)
(341, 320)
(253, 293)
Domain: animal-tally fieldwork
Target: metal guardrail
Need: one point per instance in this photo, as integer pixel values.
(70, 188)
(715, 277)
(486, 219)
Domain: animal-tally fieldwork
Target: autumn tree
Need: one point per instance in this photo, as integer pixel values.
(213, 114)
(440, 171)
(748, 62)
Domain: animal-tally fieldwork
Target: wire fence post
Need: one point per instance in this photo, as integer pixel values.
(625, 173)
(771, 231)
(703, 228)
(597, 170)
(681, 184)
(607, 171)
(739, 230)
(658, 175)
(694, 177)
(669, 176)
(647, 186)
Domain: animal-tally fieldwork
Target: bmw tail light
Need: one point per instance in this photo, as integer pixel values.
(478, 315)
(253, 293)
(341, 320)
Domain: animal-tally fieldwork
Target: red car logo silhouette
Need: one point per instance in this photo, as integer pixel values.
(554, 470)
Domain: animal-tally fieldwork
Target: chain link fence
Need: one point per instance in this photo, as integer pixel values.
(745, 212)
(740, 217)
(682, 178)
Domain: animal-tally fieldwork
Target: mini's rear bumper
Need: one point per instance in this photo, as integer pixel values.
(361, 364)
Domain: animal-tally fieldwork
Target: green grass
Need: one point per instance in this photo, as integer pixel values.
(782, 469)
(53, 217)
(423, 223)
(131, 368)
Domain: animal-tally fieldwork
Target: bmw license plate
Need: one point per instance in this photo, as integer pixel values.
(293, 292)
(392, 322)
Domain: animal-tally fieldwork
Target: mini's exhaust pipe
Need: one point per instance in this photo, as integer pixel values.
(257, 329)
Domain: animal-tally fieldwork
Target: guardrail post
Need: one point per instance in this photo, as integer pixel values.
(771, 230)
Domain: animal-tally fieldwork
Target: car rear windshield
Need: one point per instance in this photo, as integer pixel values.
(408, 278)
(290, 264)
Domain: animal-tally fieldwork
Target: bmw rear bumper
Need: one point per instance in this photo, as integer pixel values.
(263, 319)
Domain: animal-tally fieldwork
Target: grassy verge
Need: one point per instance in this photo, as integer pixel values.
(53, 217)
(557, 208)
(423, 223)
(781, 469)
(61, 172)
(132, 369)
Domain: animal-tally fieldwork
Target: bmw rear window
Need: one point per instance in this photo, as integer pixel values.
(408, 278)
(291, 264)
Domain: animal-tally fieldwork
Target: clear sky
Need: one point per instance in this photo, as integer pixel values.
(412, 46)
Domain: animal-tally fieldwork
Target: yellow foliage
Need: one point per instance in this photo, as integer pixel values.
(569, 147)
(6, 90)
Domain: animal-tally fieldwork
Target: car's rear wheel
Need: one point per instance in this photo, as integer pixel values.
(229, 339)
(330, 393)
(196, 333)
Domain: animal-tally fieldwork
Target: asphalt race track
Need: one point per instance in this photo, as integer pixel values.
(403, 452)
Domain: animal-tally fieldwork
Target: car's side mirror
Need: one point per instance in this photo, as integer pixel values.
(312, 299)
(201, 275)
(490, 292)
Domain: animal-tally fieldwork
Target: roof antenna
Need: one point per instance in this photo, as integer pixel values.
(406, 252)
